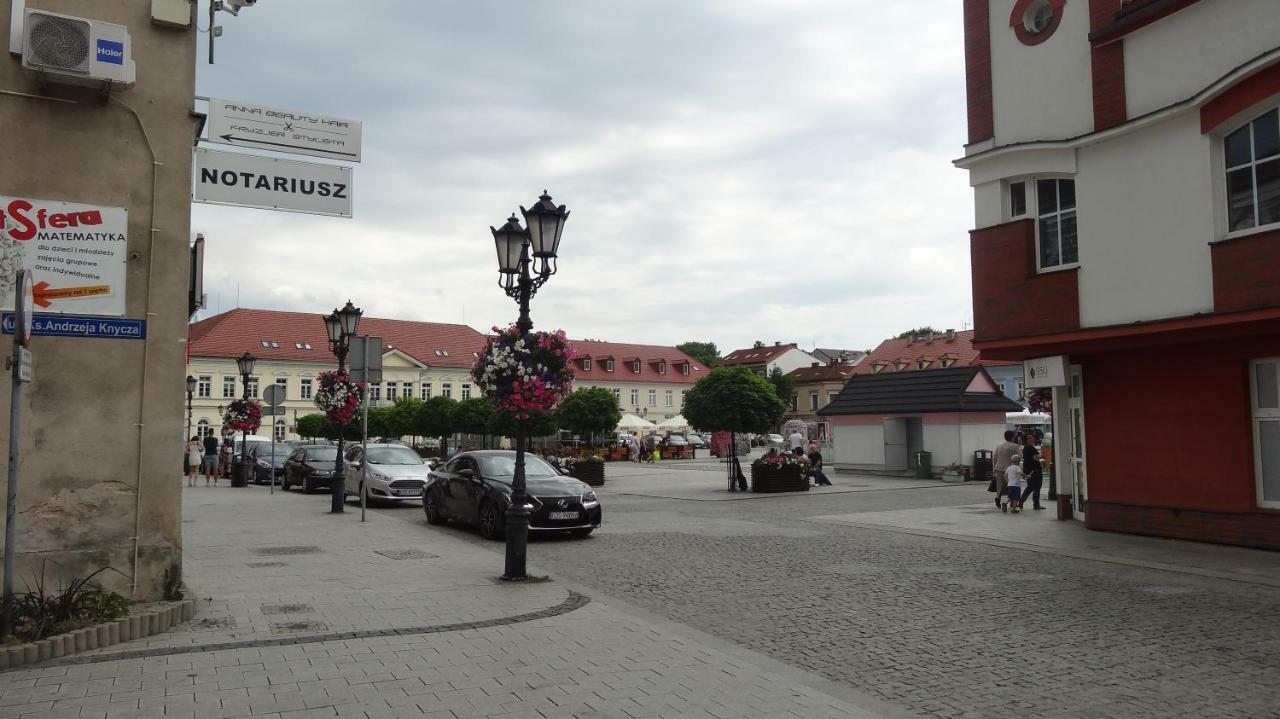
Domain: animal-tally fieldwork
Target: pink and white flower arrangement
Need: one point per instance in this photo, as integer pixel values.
(243, 415)
(338, 397)
(527, 375)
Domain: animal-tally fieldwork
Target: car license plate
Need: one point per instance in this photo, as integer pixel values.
(408, 492)
(564, 515)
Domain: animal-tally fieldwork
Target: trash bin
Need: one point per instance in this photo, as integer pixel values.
(982, 465)
(924, 465)
(240, 473)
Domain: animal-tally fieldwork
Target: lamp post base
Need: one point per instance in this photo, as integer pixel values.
(517, 541)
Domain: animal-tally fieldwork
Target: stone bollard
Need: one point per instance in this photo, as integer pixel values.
(4, 659)
(17, 656)
(90, 638)
(58, 645)
(113, 633)
(135, 627)
(188, 610)
(124, 629)
(30, 654)
(44, 650)
(104, 636)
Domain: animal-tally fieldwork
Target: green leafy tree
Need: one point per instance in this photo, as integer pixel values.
(733, 399)
(380, 422)
(473, 416)
(312, 426)
(400, 418)
(918, 331)
(589, 410)
(434, 418)
(783, 385)
(704, 352)
(504, 426)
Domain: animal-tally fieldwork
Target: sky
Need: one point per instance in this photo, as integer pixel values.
(736, 170)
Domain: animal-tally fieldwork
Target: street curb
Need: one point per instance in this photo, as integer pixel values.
(153, 619)
(1055, 551)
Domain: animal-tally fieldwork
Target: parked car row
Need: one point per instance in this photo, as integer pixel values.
(471, 487)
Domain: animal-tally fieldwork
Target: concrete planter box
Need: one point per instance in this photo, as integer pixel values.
(590, 472)
(770, 480)
(145, 621)
(956, 476)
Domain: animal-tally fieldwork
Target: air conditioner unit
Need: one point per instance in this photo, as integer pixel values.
(76, 51)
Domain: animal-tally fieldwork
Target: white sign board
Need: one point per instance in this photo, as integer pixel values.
(1045, 372)
(230, 178)
(245, 124)
(76, 254)
(366, 367)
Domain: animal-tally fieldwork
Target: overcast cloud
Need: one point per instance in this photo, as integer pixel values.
(736, 169)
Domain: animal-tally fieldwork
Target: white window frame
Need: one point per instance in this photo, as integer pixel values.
(653, 398)
(670, 398)
(662, 367)
(1258, 416)
(446, 389)
(1222, 201)
(831, 396)
(375, 391)
(465, 391)
(635, 366)
(284, 382)
(684, 368)
(586, 364)
(608, 365)
(204, 428)
(281, 429)
(617, 393)
(229, 386)
(393, 390)
(1032, 212)
(204, 386)
(635, 397)
(426, 391)
(305, 389)
(254, 386)
(813, 401)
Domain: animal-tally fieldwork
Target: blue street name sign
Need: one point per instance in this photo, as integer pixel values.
(74, 326)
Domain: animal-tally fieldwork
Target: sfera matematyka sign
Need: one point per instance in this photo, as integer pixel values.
(76, 254)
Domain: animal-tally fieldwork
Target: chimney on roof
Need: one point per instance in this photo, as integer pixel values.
(911, 338)
(928, 337)
(951, 335)
(777, 344)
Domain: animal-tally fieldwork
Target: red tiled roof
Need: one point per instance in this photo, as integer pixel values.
(756, 355)
(823, 373)
(898, 350)
(237, 331)
(650, 356)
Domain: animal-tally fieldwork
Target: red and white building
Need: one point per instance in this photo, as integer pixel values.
(1125, 162)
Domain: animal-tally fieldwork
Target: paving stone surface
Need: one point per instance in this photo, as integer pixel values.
(936, 626)
(432, 634)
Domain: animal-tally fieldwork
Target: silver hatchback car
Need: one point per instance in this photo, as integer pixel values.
(393, 472)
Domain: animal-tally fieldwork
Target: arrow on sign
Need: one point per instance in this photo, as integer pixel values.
(231, 140)
(42, 292)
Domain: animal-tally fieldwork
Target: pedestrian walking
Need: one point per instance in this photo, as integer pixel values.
(815, 467)
(1014, 479)
(193, 460)
(224, 461)
(209, 463)
(633, 450)
(1001, 456)
(797, 442)
(1032, 469)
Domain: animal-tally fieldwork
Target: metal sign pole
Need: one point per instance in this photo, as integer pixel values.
(272, 470)
(364, 434)
(21, 336)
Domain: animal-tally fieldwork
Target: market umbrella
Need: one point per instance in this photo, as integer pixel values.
(633, 422)
(676, 422)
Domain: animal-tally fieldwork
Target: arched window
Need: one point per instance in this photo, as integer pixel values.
(203, 429)
(280, 430)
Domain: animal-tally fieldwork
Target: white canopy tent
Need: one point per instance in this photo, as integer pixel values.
(676, 422)
(632, 422)
(1017, 418)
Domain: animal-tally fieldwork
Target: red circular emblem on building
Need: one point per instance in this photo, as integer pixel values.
(1035, 21)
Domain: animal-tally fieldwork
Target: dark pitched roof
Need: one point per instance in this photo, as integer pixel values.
(954, 389)
(756, 355)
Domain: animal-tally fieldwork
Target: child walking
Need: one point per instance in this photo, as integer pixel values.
(1014, 478)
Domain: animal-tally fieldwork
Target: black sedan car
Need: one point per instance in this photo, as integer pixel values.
(310, 467)
(266, 464)
(475, 487)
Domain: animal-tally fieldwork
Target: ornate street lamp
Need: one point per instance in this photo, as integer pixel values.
(191, 390)
(526, 260)
(240, 473)
(341, 325)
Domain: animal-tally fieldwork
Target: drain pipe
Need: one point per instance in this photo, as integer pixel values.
(146, 347)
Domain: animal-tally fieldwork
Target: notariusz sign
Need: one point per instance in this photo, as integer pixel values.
(71, 326)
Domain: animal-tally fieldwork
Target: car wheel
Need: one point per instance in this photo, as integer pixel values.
(284, 483)
(431, 507)
(490, 521)
(582, 532)
(306, 485)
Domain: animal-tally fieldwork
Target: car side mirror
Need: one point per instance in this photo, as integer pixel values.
(469, 474)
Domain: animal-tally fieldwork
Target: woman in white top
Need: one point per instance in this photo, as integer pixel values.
(193, 460)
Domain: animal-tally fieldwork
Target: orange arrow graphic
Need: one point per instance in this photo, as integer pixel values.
(42, 292)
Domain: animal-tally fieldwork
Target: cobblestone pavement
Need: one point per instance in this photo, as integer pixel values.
(941, 627)
(305, 614)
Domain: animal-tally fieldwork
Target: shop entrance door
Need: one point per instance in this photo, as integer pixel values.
(1076, 443)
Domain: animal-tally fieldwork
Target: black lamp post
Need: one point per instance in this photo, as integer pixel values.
(240, 473)
(526, 260)
(341, 326)
(191, 390)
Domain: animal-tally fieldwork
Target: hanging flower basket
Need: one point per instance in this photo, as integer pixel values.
(526, 375)
(338, 397)
(243, 415)
(1040, 400)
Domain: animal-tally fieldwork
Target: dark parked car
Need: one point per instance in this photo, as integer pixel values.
(310, 467)
(475, 487)
(266, 464)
